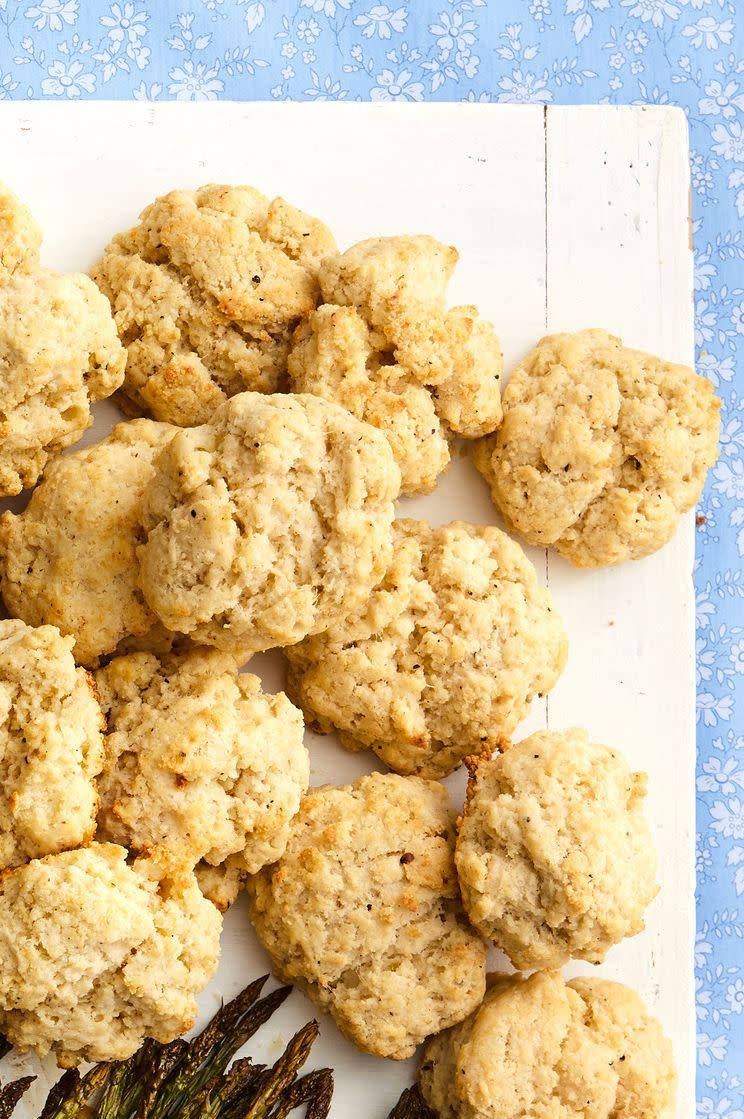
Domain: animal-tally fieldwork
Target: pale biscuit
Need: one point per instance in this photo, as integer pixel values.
(206, 291)
(96, 955)
(443, 658)
(51, 746)
(540, 1048)
(199, 759)
(601, 449)
(362, 912)
(70, 558)
(58, 352)
(386, 348)
(554, 853)
(267, 523)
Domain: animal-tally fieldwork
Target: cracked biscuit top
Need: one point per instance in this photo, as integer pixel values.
(601, 448)
(206, 291)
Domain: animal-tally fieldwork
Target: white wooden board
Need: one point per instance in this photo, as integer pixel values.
(566, 217)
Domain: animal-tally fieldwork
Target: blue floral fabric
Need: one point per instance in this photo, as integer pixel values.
(684, 52)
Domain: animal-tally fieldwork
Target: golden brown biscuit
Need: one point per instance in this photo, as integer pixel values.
(70, 558)
(51, 746)
(96, 955)
(541, 1048)
(601, 449)
(267, 523)
(333, 357)
(58, 352)
(199, 759)
(554, 853)
(206, 291)
(385, 347)
(362, 912)
(443, 658)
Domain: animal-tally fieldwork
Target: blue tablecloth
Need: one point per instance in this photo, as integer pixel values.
(685, 52)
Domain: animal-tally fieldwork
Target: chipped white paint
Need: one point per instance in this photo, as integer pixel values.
(564, 219)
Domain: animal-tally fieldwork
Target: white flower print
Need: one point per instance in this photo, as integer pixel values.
(7, 86)
(143, 92)
(195, 81)
(704, 270)
(709, 33)
(255, 13)
(381, 21)
(704, 608)
(125, 23)
(705, 321)
(729, 478)
(702, 1001)
(737, 317)
(722, 99)
(703, 859)
(396, 87)
(617, 60)
(325, 89)
(540, 10)
(525, 88)
(652, 11)
(728, 818)
(325, 7)
(708, 1109)
(705, 658)
(636, 41)
(308, 30)
(720, 776)
(454, 33)
(701, 174)
(735, 996)
(711, 708)
(53, 14)
(732, 430)
(735, 857)
(68, 79)
(711, 1049)
(728, 141)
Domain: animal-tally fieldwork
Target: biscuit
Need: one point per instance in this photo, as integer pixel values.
(554, 854)
(96, 955)
(333, 358)
(70, 558)
(601, 448)
(199, 759)
(268, 522)
(444, 657)
(206, 291)
(362, 912)
(51, 746)
(385, 347)
(541, 1048)
(58, 352)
